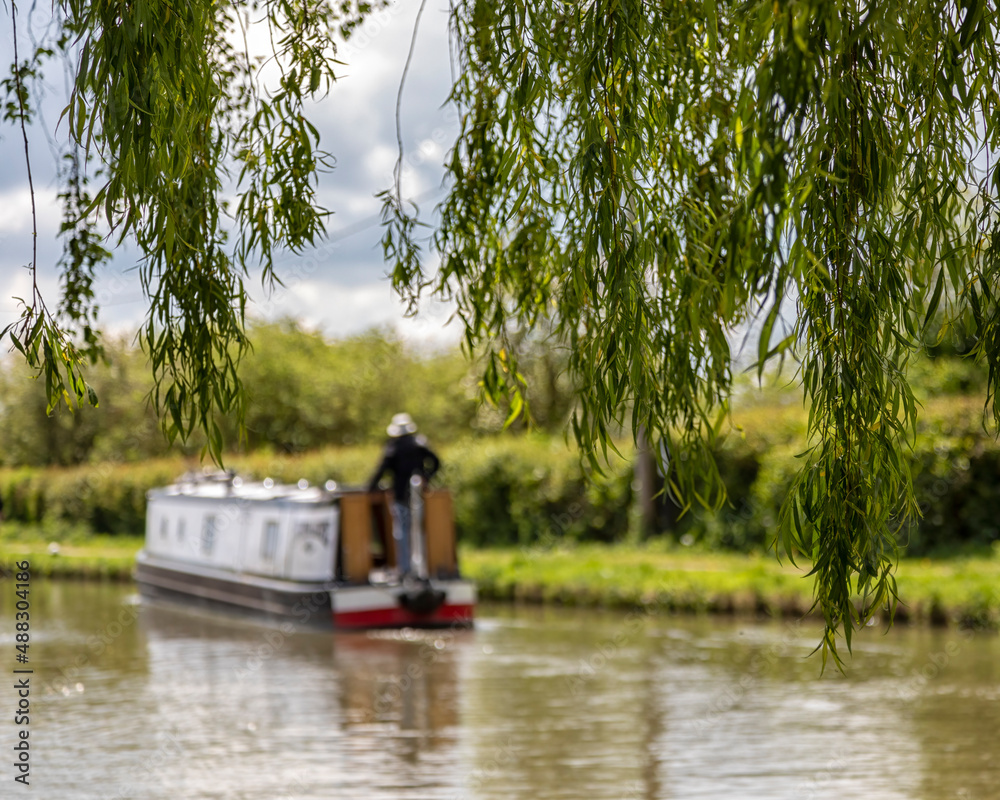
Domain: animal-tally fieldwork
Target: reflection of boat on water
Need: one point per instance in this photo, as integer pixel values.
(387, 691)
(411, 679)
(301, 553)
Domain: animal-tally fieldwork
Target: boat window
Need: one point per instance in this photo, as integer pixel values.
(180, 529)
(208, 535)
(269, 545)
(164, 527)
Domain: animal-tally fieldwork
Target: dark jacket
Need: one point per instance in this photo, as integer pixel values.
(405, 456)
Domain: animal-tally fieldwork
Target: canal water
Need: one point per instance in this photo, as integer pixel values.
(150, 703)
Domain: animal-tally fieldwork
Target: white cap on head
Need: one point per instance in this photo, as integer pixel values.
(401, 425)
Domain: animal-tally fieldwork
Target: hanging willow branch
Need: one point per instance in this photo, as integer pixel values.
(175, 114)
(650, 175)
(634, 179)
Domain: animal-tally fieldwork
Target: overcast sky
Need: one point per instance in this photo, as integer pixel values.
(341, 286)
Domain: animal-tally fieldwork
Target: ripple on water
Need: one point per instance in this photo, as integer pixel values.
(546, 705)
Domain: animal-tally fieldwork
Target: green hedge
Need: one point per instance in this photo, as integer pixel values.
(529, 491)
(106, 498)
(508, 491)
(533, 491)
(955, 465)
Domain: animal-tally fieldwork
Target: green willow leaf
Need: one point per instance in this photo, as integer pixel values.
(699, 163)
(636, 179)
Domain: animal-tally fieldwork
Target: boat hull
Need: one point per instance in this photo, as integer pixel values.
(314, 604)
(356, 607)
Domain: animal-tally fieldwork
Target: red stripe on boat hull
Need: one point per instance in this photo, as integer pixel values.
(399, 617)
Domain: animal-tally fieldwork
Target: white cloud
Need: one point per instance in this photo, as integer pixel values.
(341, 310)
(340, 286)
(379, 163)
(16, 220)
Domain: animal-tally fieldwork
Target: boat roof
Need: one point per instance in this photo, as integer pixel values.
(228, 486)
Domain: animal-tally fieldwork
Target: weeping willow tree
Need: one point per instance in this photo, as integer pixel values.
(179, 116)
(653, 176)
(637, 179)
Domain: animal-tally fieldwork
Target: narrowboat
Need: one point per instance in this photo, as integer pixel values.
(315, 555)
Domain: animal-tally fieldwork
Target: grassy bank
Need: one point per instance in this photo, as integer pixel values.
(962, 591)
(78, 556)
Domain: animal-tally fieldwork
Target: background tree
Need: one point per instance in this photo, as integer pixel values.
(304, 392)
(647, 175)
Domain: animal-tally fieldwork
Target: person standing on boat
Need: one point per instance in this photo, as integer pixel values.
(405, 455)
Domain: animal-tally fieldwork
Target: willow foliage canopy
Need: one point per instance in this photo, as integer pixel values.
(637, 179)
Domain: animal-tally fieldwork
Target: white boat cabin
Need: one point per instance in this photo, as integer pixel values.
(283, 532)
(291, 533)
